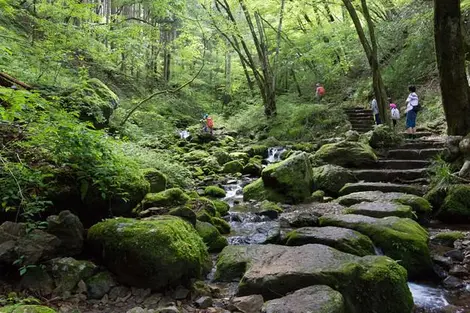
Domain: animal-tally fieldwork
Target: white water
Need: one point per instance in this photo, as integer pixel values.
(428, 297)
(234, 193)
(274, 154)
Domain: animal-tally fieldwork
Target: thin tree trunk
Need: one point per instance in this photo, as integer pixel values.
(451, 64)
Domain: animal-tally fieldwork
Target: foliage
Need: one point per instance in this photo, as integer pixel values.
(441, 174)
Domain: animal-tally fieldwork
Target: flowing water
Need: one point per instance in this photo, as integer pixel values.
(274, 154)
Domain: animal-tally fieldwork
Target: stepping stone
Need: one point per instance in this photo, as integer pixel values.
(310, 299)
(388, 175)
(418, 204)
(384, 187)
(381, 209)
(407, 154)
(343, 239)
(400, 164)
(368, 284)
(402, 239)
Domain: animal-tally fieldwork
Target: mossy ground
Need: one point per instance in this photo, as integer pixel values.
(26, 309)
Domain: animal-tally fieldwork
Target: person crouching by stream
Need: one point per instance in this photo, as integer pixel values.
(412, 108)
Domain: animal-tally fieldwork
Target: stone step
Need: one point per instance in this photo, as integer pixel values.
(384, 187)
(418, 154)
(361, 129)
(360, 115)
(361, 122)
(390, 175)
(400, 164)
(354, 110)
(422, 144)
(421, 134)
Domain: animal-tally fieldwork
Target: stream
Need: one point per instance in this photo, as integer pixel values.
(250, 228)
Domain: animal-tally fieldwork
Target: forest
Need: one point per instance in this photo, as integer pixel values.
(248, 156)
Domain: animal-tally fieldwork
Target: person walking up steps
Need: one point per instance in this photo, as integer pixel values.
(395, 113)
(412, 108)
(375, 111)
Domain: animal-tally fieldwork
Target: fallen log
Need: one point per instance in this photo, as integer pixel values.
(9, 81)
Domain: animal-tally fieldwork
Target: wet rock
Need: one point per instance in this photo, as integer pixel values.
(204, 302)
(248, 304)
(68, 228)
(459, 271)
(455, 254)
(255, 233)
(311, 299)
(381, 209)
(153, 299)
(298, 219)
(343, 239)
(68, 272)
(99, 285)
(211, 236)
(273, 271)
(452, 282)
(446, 262)
(399, 238)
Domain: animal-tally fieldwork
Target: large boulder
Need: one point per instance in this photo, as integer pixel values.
(456, 205)
(233, 167)
(291, 178)
(346, 154)
(318, 299)
(343, 239)
(196, 156)
(156, 179)
(258, 191)
(331, 178)
(19, 308)
(368, 284)
(68, 228)
(212, 238)
(152, 253)
(402, 239)
(384, 137)
(381, 209)
(168, 198)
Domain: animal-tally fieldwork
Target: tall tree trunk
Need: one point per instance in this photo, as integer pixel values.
(451, 64)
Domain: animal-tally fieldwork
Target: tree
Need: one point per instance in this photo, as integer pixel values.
(371, 51)
(451, 64)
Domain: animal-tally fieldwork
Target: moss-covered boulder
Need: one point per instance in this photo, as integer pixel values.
(253, 168)
(196, 156)
(331, 178)
(456, 205)
(222, 156)
(156, 179)
(185, 212)
(214, 241)
(402, 239)
(343, 239)
(202, 205)
(384, 137)
(447, 238)
(233, 167)
(152, 253)
(168, 198)
(99, 285)
(436, 197)
(291, 178)
(26, 309)
(260, 150)
(346, 154)
(222, 226)
(221, 207)
(240, 156)
(368, 284)
(68, 272)
(258, 191)
(214, 192)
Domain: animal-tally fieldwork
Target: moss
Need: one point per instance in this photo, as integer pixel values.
(317, 196)
(232, 167)
(185, 213)
(456, 206)
(156, 179)
(304, 146)
(214, 191)
(331, 178)
(240, 156)
(151, 253)
(257, 191)
(26, 309)
(260, 150)
(436, 197)
(418, 204)
(253, 169)
(447, 238)
(222, 157)
(291, 178)
(232, 263)
(202, 204)
(222, 226)
(214, 241)
(384, 137)
(99, 285)
(168, 198)
(221, 207)
(402, 239)
(196, 156)
(346, 154)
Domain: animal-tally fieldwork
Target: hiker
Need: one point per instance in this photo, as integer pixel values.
(395, 113)
(412, 108)
(320, 92)
(208, 124)
(375, 111)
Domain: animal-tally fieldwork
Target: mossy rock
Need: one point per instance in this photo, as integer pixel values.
(202, 204)
(253, 169)
(26, 309)
(222, 226)
(346, 154)
(270, 209)
(258, 191)
(447, 238)
(304, 146)
(331, 178)
(99, 285)
(221, 207)
(156, 179)
(257, 150)
(402, 239)
(243, 157)
(196, 156)
(317, 196)
(222, 157)
(153, 253)
(385, 137)
(456, 206)
(436, 197)
(185, 213)
(214, 192)
(291, 178)
(233, 167)
(214, 241)
(210, 164)
(168, 198)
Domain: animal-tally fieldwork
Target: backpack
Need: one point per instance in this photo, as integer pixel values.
(417, 108)
(210, 122)
(321, 91)
(395, 114)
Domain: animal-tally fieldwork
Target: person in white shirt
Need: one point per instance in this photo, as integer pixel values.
(375, 111)
(412, 107)
(395, 113)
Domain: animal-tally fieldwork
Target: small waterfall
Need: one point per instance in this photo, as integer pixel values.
(274, 154)
(431, 299)
(234, 193)
(378, 251)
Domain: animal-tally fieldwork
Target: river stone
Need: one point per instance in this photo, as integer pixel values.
(381, 209)
(291, 177)
(402, 239)
(298, 219)
(343, 239)
(368, 284)
(248, 304)
(418, 204)
(255, 233)
(318, 299)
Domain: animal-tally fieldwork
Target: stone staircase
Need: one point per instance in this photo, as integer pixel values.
(361, 119)
(402, 169)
